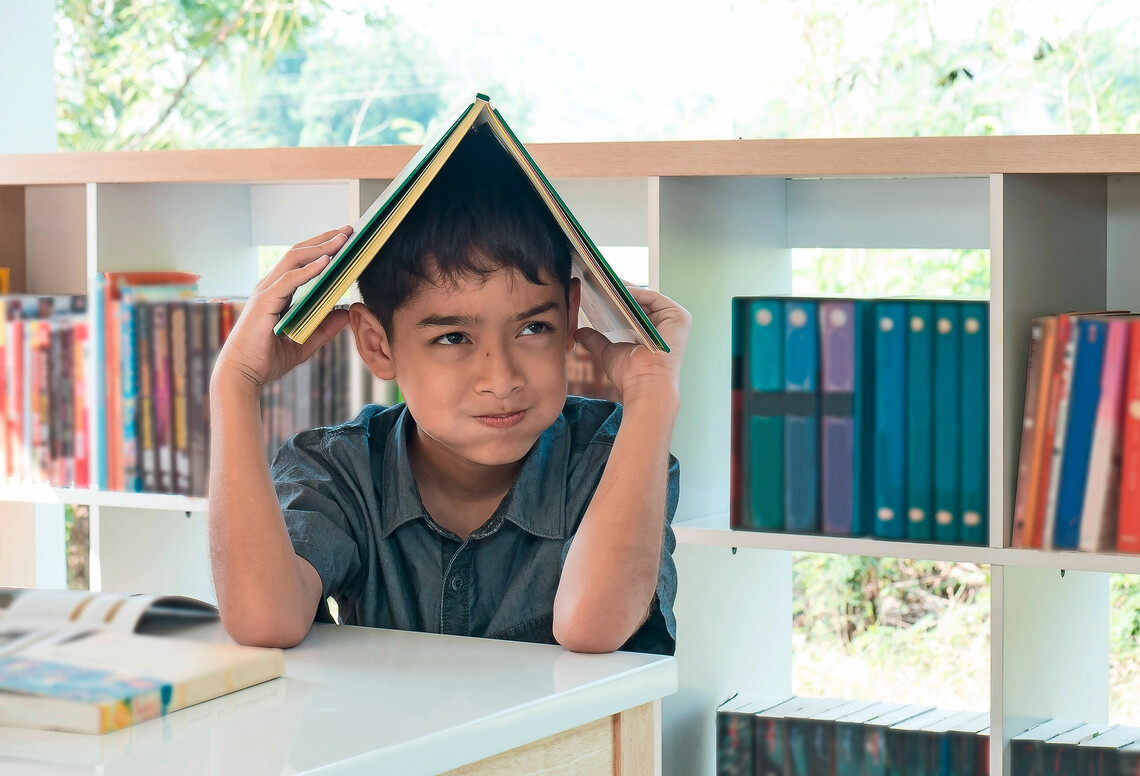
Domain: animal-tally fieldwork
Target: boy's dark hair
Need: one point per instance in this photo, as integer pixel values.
(478, 216)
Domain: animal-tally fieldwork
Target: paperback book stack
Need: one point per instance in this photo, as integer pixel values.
(1078, 479)
(43, 390)
(1059, 747)
(780, 735)
(158, 349)
(861, 417)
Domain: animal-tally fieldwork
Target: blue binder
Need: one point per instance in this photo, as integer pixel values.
(764, 468)
(947, 421)
(801, 419)
(975, 422)
(1083, 400)
(890, 420)
(919, 421)
(863, 489)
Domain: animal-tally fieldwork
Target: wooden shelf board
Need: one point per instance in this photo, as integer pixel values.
(714, 530)
(43, 494)
(1088, 154)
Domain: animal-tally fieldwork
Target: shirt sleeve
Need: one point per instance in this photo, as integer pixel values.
(311, 492)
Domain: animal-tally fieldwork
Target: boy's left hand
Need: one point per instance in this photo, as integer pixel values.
(635, 370)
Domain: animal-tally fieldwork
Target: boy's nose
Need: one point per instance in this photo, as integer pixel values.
(498, 373)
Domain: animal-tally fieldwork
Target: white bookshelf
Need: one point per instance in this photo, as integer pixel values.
(1060, 217)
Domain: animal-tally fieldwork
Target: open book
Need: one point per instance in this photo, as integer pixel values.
(606, 304)
(95, 662)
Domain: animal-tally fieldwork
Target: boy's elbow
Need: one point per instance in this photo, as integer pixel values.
(585, 636)
(253, 632)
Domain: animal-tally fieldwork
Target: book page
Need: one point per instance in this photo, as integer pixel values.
(34, 610)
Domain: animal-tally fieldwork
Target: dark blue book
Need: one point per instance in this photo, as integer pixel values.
(919, 421)
(801, 416)
(975, 422)
(947, 421)
(1084, 397)
(890, 420)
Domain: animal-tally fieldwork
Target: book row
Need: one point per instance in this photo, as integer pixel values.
(1078, 476)
(781, 735)
(158, 349)
(861, 417)
(1059, 747)
(44, 341)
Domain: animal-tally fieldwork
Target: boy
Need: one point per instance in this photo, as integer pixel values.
(490, 503)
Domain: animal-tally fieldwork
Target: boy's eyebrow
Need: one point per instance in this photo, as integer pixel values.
(467, 321)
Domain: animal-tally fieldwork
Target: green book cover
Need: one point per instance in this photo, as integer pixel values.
(606, 303)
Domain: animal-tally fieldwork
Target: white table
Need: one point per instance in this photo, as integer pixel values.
(371, 701)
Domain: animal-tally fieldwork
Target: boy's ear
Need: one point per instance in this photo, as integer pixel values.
(572, 312)
(372, 341)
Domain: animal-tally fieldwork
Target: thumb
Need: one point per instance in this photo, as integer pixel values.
(592, 340)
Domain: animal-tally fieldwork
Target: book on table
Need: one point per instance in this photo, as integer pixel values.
(89, 662)
(606, 303)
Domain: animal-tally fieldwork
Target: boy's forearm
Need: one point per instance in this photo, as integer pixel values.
(263, 595)
(611, 569)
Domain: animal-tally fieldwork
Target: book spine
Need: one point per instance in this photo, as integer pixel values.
(801, 418)
(179, 372)
(975, 423)
(919, 421)
(99, 348)
(82, 421)
(1083, 403)
(739, 439)
(199, 392)
(765, 410)
(15, 367)
(144, 419)
(947, 422)
(1057, 427)
(890, 422)
(1102, 491)
(5, 389)
(863, 474)
(129, 355)
(1032, 434)
(1128, 517)
(162, 403)
(837, 416)
(113, 452)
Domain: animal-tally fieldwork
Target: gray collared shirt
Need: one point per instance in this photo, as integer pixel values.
(353, 510)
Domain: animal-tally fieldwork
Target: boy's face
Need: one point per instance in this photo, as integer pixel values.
(482, 364)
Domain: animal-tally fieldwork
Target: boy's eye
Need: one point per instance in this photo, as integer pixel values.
(538, 327)
(451, 338)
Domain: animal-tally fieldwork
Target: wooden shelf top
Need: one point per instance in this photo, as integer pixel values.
(1069, 154)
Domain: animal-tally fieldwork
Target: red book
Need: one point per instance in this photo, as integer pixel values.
(81, 415)
(15, 408)
(1128, 518)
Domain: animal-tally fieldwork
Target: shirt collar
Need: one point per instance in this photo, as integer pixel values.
(536, 502)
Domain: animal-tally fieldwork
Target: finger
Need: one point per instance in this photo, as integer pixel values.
(303, 256)
(325, 237)
(328, 328)
(592, 340)
(278, 295)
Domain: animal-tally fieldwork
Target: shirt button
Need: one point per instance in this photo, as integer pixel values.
(456, 583)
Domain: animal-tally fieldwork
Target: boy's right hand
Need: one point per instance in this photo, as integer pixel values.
(253, 356)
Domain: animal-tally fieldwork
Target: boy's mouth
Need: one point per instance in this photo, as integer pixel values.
(501, 420)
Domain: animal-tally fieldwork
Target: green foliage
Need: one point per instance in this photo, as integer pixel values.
(1124, 613)
(870, 273)
(128, 72)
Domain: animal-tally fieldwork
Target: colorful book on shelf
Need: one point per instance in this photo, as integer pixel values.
(920, 421)
(759, 500)
(88, 662)
(947, 422)
(771, 752)
(890, 420)
(1102, 489)
(1038, 379)
(735, 726)
(1084, 399)
(974, 502)
(850, 748)
(606, 304)
(966, 746)
(801, 416)
(1027, 749)
(1128, 515)
(1061, 750)
(1056, 427)
(876, 760)
(844, 416)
